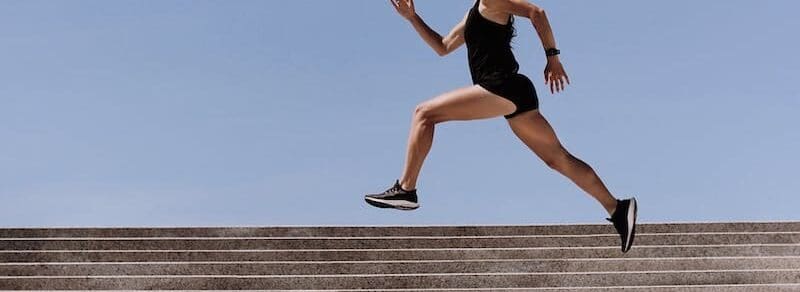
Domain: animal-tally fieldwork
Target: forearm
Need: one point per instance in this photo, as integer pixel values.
(543, 29)
(430, 36)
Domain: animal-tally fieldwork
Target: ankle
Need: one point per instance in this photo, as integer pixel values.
(611, 208)
(408, 187)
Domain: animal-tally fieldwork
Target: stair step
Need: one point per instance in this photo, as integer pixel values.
(375, 281)
(665, 288)
(344, 231)
(666, 257)
(655, 251)
(395, 267)
(211, 243)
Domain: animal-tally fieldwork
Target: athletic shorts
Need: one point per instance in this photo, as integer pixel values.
(517, 88)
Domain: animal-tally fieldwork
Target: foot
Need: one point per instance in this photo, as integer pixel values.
(395, 197)
(624, 219)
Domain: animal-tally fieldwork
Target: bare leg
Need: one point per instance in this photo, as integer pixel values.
(467, 103)
(534, 130)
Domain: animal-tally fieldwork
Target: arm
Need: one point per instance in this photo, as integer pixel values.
(442, 45)
(529, 10)
(554, 72)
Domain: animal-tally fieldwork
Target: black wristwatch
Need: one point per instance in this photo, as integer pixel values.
(552, 52)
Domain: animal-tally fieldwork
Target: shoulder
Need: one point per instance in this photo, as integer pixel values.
(516, 7)
(495, 3)
(498, 6)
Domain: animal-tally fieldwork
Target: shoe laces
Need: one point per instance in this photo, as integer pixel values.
(395, 189)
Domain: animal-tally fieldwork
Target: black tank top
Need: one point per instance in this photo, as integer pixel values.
(489, 47)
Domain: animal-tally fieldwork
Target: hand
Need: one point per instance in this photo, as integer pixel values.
(405, 8)
(554, 75)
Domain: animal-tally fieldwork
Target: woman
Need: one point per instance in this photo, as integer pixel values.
(487, 30)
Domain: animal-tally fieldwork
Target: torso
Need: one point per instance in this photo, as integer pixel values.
(491, 62)
(489, 46)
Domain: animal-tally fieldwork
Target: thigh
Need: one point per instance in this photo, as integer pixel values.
(466, 103)
(534, 130)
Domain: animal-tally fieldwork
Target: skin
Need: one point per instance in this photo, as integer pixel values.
(474, 102)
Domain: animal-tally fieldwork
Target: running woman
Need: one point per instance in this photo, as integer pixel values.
(487, 29)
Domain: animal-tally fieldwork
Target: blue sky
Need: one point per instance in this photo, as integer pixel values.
(256, 113)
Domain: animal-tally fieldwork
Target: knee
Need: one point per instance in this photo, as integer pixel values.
(423, 114)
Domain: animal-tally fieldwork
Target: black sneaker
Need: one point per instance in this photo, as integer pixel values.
(395, 197)
(624, 219)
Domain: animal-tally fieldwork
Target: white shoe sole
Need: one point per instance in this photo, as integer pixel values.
(397, 204)
(631, 222)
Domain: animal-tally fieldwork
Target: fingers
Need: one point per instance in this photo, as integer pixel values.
(561, 81)
(558, 85)
(546, 77)
(401, 8)
(557, 82)
(556, 79)
(396, 4)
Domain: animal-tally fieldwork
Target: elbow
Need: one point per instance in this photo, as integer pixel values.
(442, 51)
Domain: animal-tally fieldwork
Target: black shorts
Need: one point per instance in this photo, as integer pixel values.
(517, 88)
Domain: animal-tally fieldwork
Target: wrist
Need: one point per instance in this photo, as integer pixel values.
(553, 58)
(412, 17)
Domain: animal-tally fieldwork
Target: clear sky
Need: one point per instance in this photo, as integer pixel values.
(257, 113)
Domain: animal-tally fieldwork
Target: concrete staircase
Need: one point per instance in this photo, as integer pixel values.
(705, 257)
